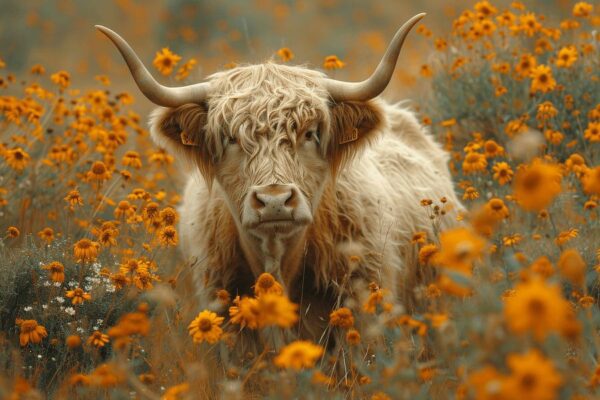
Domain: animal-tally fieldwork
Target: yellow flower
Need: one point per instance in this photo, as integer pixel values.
(73, 341)
(165, 61)
(299, 355)
(485, 383)
(333, 62)
(512, 240)
(492, 149)
(245, 312)
(536, 185)
(177, 392)
(56, 270)
(85, 250)
(542, 79)
(206, 327)
(168, 236)
(536, 307)
(30, 332)
(470, 193)
(582, 9)
(342, 317)
(592, 133)
(419, 238)
(169, 216)
(566, 57)
(543, 267)
(474, 162)
(266, 283)
(13, 232)
(532, 377)
(98, 172)
(353, 337)
(460, 247)
(132, 159)
(61, 78)
(285, 54)
(526, 64)
(97, 339)
(529, 24)
(546, 111)
(572, 266)
(426, 253)
(275, 309)
(553, 137)
(564, 237)
(47, 235)
(78, 296)
(591, 180)
(502, 173)
(74, 198)
(17, 158)
(184, 71)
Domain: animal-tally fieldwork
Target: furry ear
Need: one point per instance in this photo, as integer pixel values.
(354, 124)
(182, 131)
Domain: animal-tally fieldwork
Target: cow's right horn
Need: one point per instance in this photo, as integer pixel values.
(378, 81)
(154, 91)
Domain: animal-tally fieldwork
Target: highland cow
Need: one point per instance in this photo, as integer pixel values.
(314, 180)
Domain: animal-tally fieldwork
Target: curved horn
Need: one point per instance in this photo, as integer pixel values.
(376, 83)
(154, 91)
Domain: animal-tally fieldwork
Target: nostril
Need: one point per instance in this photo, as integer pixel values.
(292, 200)
(255, 202)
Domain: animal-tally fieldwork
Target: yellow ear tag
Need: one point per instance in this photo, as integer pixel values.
(186, 139)
(349, 136)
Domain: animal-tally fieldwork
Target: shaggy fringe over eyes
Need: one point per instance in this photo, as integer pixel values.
(251, 101)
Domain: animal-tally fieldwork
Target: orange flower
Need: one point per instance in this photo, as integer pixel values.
(61, 78)
(165, 61)
(17, 158)
(532, 377)
(591, 180)
(353, 337)
(502, 173)
(86, 250)
(572, 266)
(582, 9)
(342, 317)
(536, 307)
(74, 199)
(168, 236)
(206, 327)
(78, 296)
(30, 332)
(542, 79)
(98, 172)
(277, 310)
(333, 62)
(474, 162)
(132, 159)
(592, 133)
(299, 355)
(97, 339)
(285, 54)
(267, 284)
(47, 235)
(426, 253)
(460, 247)
(13, 232)
(57, 271)
(245, 312)
(566, 57)
(536, 185)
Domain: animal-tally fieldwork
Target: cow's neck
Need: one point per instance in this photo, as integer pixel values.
(279, 256)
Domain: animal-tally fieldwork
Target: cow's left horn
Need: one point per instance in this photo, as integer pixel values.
(376, 83)
(154, 91)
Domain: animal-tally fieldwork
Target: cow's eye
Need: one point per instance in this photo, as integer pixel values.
(312, 136)
(231, 140)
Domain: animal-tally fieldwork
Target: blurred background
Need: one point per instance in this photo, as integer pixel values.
(59, 35)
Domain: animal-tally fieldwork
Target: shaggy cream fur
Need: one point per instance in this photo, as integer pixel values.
(364, 195)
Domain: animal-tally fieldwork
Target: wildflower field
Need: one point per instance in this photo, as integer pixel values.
(96, 300)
